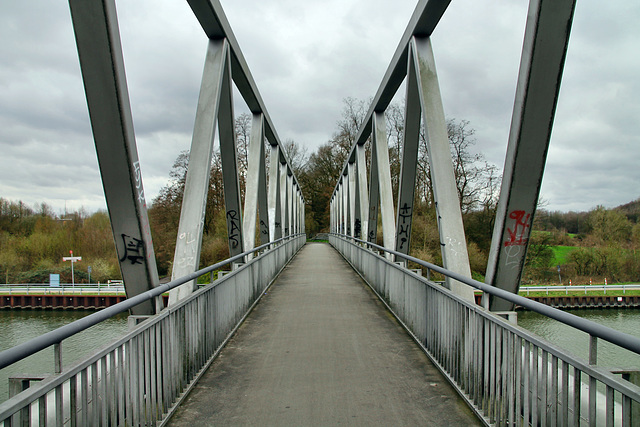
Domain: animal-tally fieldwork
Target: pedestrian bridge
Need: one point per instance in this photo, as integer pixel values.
(325, 334)
(344, 332)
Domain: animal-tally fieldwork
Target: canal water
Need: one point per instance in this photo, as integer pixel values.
(17, 326)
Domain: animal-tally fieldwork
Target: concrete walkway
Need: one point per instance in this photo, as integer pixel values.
(320, 349)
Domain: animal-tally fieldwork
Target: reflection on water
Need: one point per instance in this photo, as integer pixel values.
(577, 342)
(18, 326)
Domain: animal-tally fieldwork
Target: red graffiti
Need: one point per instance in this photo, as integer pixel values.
(517, 235)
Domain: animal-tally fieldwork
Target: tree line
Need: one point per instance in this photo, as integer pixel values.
(34, 240)
(603, 242)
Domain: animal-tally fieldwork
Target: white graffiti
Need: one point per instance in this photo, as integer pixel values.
(512, 256)
(138, 177)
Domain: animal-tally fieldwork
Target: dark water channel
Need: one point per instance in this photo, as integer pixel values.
(17, 326)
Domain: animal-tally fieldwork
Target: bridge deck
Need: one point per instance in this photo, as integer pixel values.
(320, 349)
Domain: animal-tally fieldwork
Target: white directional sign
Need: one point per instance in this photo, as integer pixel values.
(72, 259)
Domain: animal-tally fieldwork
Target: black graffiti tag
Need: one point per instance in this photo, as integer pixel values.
(133, 249)
(233, 223)
(405, 212)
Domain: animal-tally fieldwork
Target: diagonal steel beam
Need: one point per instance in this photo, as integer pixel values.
(453, 243)
(255, 160)
(543, 56)
(275, 207)
(186, 259)
(100, 52)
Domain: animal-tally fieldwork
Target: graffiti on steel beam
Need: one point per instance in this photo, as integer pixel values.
(403, 228)
(188, 256)
(133, 249)
(234, 227)
(517, 235)
(138, 177)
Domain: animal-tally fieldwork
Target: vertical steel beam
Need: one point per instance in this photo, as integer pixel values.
(409, 162)
(226, 125)
(353, 214)
(339, 202)
(290, 223)
(384, 180)
(300, 211)
(543, 55)
(275, 208)
(263, 196)
(303, 218)
(363, 191)
(101, 62)
(374, 191)
(294, 206)
(283, 200)
(343, 208)
(255, 158)
(357, 220)
(452, 239)
(347, 205)
(189, 240)
(334, 213)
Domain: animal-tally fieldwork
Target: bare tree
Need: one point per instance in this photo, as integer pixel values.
(296, 155)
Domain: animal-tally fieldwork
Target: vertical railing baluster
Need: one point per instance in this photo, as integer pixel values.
(84, 395)
(564, 396)
(534, 385)
(121, 384)
(577, 395)
(593, 400)
(553, 391)
(609, 407)
(95, 395)
(73, 400)
(42, 411)
(104, 389)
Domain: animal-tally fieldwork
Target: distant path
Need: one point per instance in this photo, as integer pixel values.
(320, 349)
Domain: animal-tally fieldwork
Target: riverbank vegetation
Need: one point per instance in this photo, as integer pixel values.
(587, 246)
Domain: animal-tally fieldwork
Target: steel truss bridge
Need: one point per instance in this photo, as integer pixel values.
(504, 374)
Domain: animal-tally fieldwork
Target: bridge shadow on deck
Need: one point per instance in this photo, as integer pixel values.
(320, 349)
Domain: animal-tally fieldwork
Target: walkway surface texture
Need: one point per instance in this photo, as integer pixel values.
(320, 349)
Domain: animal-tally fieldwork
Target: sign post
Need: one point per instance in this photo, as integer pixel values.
(72, 259)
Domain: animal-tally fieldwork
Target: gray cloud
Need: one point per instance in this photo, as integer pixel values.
(306, 57)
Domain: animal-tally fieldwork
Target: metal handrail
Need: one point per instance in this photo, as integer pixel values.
(20, 351)
(621, 339)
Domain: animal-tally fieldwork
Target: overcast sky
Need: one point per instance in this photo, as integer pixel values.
(306, 57)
